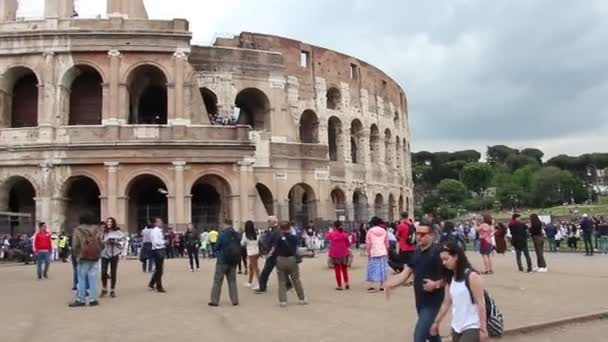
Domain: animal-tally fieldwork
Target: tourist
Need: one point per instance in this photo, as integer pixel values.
(602, 230)
(192, 242)
(587, 228)
(54, 247)
(158, 255)
(425, 265)
(243, 261)
(376, 244)
(4, 247)
(536, 232)
(146, 256)
(205, 243)
(213, 234)
(267, 242)
(362, 236)
(285, 248)
(179, 245)
(114, 243)
(170, 243)
(339, 252)
(63, 247)
(468, 318)
(87, 247)
(42, 248)
(573, 236)
(551, 232)
(519, 240)
(251, 243)
(406, 236)
(559, 235)
(483, 226)
(500, 234)
(228, 254)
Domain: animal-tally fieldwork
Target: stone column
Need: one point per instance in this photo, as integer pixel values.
(112, 188)
(245, 170)
(44, 196)
(179, 116)
(47, 103)
(112, 115)
(180, 219)
(59, 9)
(132, 9)
(8, 10)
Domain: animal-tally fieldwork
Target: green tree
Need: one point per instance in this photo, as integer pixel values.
(468, 156)
(533, 153)
(477, 176)
(452, 191)
(430, 203)
(498, 154)
(517, 161)
(546, 186)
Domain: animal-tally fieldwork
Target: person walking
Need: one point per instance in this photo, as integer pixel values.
(519, 240)
(251, 243)
(426, 267)
(536, 232)
(63, 247)
(267, 242)
(87, 247)
(228, 254)
(205, 243)
(213, 236)
(551, 233)
(339, 252)
(587, 229)
(500, 233)
(114, 242)
(192, 241)
(376, 245)
(468, 307)
(42, 247)
(285, 248)
(54, 247)
(158, 255)
(146, 255)
(483, 226)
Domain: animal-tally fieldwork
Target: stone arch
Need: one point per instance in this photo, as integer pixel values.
(407, 204)
(335, 139)
(82, 197)
(396, 117)
(128, 180)
(18, 195)
(210, 201)
(360, 206)
(63, 183)
(19, 97)
(401, 205)
(356, 141)
(266, 198)
(82, 95)
(392, 207)
(398, 152)
(210, 101)
(334, 98)
(374, 143)
(253, 107)
(148, 99)
(388, 150)
(379, 206)
(338, 201)
(302, 204)
(147, 196)
(309, 127)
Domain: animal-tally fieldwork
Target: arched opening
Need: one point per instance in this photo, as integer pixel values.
(17, 196)
(18, 98)
(356, 142)
(309, 127)
(392, 206)
(396, 119)
(83, 86)
(360, 206)
(147, 86)
(401, 207)
(302, 204)
(82, 198)
(338, 200)
(407, 204)
(379, 208)
(210, 202)
(253, 108)
(374, 143)
(265, 195)
(210, 101)
(398, 152)
(388, 148)
(147, 196)
(334, 98)
(334, 135)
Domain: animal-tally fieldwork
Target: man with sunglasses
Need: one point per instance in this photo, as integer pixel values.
(428, 281)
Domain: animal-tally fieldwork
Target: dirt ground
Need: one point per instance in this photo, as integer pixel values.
(33, 310)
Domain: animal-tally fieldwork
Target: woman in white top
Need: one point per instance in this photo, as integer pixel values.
(468, 306)
(250, 241)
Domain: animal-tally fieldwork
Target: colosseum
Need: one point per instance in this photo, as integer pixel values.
(122, 116)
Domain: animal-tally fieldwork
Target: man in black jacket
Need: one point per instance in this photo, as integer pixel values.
(519, 240)
(587, 228)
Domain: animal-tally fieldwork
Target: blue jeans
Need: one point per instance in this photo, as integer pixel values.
(552, 247)
(87, 275)
(43, 258)
(604, 244)
(426, 317)
(476, 245)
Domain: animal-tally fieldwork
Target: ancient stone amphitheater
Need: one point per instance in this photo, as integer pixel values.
(122, 116)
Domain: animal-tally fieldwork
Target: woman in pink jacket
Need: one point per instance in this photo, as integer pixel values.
(339, 251)
(376, 244)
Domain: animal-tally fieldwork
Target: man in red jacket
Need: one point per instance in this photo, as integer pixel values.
(405, 230)
(42, 250)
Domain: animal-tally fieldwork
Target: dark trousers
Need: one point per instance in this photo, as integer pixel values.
(518, 251)
(221, 271)
(552, 244)
(539, 244)
(157, 276)
(588, 244)
(193, 256)
(243, 260)
(269, 265)
(113, 263)
(212, 250)
(426, 317)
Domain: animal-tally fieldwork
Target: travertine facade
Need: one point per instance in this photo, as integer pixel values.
(123, 117)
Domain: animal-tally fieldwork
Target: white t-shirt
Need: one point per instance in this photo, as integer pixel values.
(465, 315)
(252, 246)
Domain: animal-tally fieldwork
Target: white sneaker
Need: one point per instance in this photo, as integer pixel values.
(255, 288)
(191, 270)
(247, 284)
(535, 269)
(303, 302)
(542, 270)
(283, 304)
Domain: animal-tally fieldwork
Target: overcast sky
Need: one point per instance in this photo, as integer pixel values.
(525, 73)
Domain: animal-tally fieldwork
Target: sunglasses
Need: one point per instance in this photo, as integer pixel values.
(422, 234)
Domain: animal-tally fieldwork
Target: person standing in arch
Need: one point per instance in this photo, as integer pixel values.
(158, 255)
(42, 248)
(192, 242)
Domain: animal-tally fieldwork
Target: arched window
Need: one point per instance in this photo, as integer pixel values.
(335, 139)
(374, 143)
(253, 109)
(147, 87)
(83, 86)
(356, 141)
(309, 127)
(18, 98)
(334, 98)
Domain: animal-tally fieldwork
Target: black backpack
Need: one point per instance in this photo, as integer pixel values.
(494, 318)
(232, 250)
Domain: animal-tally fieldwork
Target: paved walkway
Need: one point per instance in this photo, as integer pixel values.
(37, 310)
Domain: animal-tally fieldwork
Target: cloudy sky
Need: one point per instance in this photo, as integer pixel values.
(517, 72)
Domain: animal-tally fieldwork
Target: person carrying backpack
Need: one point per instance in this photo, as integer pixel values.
(406, 236)
(87, 247)
(228, 256)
